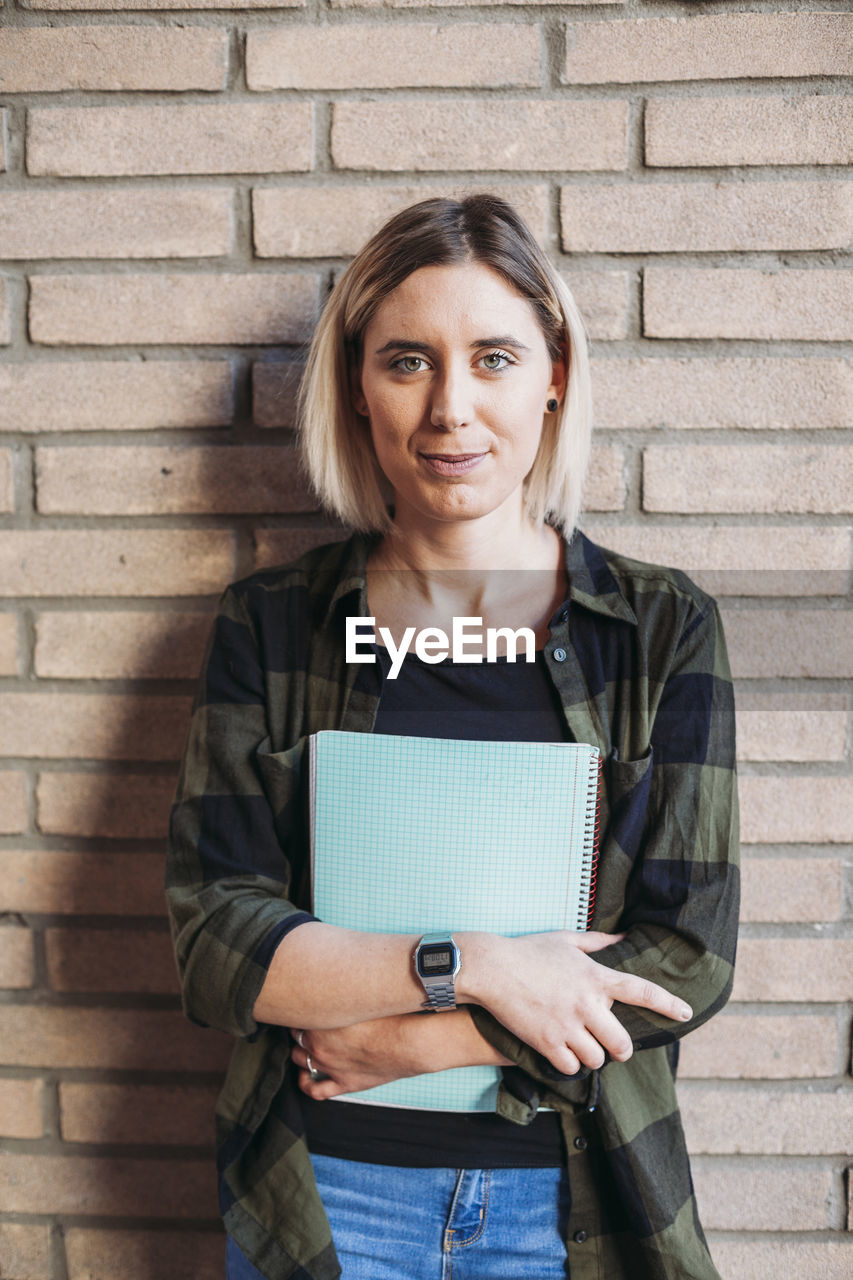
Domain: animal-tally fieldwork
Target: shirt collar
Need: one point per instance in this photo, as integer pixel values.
(592, 583)
(348, 576)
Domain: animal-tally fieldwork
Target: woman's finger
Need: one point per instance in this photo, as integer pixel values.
(563, 1058)
(587, 1050)
(594, 940)
(610, 1034)
(630, 989)
(319, 1090)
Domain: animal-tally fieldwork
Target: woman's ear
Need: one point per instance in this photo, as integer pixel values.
(557, 387)
(357, 399)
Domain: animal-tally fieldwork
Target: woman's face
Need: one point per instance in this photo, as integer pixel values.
(455, 378)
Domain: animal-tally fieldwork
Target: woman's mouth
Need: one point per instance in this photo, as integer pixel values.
(452, 464)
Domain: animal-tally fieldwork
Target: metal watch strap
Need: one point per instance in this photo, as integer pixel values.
(442, 995)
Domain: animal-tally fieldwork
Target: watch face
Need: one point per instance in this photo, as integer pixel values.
(436, 960)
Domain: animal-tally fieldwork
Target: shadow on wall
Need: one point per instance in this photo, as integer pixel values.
(137, 1082)
(137, 1120)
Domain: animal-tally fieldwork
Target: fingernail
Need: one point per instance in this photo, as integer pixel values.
(685, 1012)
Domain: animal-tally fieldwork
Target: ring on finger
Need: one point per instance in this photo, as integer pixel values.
(299, 1037)
(312, 1070)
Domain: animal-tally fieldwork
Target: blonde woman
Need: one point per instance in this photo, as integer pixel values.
(446, 418)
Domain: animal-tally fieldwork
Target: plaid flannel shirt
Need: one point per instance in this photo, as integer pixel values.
(638, 659)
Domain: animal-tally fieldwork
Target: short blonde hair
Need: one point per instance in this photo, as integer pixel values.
(336, 444)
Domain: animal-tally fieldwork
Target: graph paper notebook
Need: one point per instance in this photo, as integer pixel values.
(417, 835)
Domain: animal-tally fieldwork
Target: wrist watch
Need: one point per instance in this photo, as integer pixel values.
(437, 962)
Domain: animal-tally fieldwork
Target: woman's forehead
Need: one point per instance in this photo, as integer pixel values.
(461, 297)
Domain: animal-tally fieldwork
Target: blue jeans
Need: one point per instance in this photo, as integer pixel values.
(439, 1224)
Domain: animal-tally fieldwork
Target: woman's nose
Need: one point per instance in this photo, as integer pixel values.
(452, 405)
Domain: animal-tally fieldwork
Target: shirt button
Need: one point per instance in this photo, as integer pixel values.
(579, 1237)
(564, 616)
(559, 655)
(581, 1144)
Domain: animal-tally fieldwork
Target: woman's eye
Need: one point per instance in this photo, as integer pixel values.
(410, 364)
(496, 360)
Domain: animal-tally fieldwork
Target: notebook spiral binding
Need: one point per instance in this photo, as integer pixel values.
(592, 833)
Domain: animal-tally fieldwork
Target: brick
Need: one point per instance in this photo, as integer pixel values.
(278, 546)
(769, 1259)
(20, 1111)
(432, 4)
(722, 302)
(136, 1255)
(791, 727)
(109, 6)
(120, 562)
(62, 883)
(605, 488)
(102, 310)
(663, 217)
(273, 137)
(114, 806)
(739, 1195)
(115, 395)
(107, 1039)
(5, 325)
(8, 644)
(740, 560)
(761, 1046)
(790, 642)
(723, 392)
(274, 390)
(49, 59)
(116, 224)
(335, 221)
(7, 480)
(16, 957)
(806, 129)
(25, 1250)
(723, 47)
(163, 1114)
(602, 297)
(13, 802)
(792, 889)
(751, 478)
(107, 1185)
(150, 480)
(96, 726)
(795, 810)
(818, 970)
(469, 134)
(343, 56)
(110, 960)
(120, 646)
(782, 1122)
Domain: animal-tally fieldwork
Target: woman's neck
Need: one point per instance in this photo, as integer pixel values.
(426, 577)
(474, 546)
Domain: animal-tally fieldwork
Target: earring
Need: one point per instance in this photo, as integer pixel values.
(553, 405)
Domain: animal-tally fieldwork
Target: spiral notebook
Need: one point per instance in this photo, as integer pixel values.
(417, 835)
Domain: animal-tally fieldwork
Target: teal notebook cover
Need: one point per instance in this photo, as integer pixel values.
(417, 835)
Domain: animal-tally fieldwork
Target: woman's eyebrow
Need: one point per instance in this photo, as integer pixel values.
(408, 344)
(502, 340)
(415, 344)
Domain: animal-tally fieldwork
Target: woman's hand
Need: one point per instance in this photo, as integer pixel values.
(369, 1053)
(548, 990)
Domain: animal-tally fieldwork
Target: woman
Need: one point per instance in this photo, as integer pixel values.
(449, 373)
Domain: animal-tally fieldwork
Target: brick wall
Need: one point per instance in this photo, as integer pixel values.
(180, 182)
